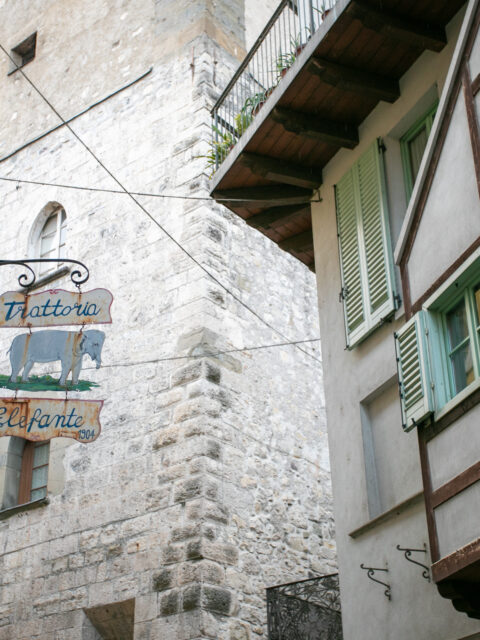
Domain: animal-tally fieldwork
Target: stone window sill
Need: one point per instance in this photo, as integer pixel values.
(18, 508)
(387, 515)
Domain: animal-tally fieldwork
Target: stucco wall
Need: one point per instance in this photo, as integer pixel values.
(210, 480)
(352, 379)
(447, 227)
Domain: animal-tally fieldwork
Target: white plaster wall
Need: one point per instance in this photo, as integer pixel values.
(416, 609)
(447, 227)
(458, 437)
(210, 479)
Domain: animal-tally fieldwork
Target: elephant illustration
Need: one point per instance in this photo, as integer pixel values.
(47, 346)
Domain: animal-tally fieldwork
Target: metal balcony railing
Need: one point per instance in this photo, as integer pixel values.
(276, 49)
(305, 610)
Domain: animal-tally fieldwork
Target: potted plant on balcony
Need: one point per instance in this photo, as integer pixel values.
(283, 62)
(220, 146)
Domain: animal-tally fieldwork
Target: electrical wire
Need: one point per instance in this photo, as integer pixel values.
(147, 213)
(147, 194)
(214, 354)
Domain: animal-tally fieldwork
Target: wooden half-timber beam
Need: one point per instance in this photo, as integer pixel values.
(413, 32)
(360, 82)
(281, 171)
(263, 196)
(277, 216)
(299, 242)
(311, 126)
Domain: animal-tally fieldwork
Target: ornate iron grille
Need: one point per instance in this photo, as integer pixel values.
(305, 610)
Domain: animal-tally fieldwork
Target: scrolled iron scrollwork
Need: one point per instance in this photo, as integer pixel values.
(408, 556)
(370, 574)
(27, 280)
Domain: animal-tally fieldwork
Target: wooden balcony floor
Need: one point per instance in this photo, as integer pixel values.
(353, 60)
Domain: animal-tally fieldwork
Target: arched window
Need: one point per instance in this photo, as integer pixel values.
(51, 239)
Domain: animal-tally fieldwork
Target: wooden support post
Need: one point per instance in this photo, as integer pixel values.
(360, 82)
(413, 32)
(281, 171)
(299, 242)
(277, 216)
(311, 126)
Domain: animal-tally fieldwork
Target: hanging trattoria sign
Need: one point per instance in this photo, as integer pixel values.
(45, 418)
(55, 308)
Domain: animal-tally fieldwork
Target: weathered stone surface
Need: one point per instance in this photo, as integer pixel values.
(163, 580)
(216, 599)
(169, 603)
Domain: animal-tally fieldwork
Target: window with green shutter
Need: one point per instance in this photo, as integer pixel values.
(438, 350)
(368, 290)
(413, 372)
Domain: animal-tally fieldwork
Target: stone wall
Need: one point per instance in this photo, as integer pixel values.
(210, 480)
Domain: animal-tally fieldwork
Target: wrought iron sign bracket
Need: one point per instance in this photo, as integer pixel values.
(27, 280)
(408, 556)
(371, 572)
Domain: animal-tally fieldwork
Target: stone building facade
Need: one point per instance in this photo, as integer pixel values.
(210, 479)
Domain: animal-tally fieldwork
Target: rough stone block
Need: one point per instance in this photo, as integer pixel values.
(216, 599)
(189, 489)
(169, 603)
(187, 373)
(192, 597)
(239, 631)
(163, 580)
(194, 550)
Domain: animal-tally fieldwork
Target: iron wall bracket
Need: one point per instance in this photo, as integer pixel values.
(371, 572)
(408, 556)
(27, 280)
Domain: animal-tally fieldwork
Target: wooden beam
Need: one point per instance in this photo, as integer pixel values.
(281, 171)
(299, 242)
(412, 32)
(277, 216)
(311, 126)
(263, 196)
(361, 82)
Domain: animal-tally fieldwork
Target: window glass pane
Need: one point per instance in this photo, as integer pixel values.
(462, 366)
(37, 494)
(416, 147)
(47, 241)
(40, 455)
(39, 477)
(50, 226)
(457, 324)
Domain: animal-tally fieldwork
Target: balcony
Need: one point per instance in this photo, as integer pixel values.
(315, 73)
(306, 610)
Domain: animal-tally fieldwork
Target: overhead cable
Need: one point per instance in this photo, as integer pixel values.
(147, 213)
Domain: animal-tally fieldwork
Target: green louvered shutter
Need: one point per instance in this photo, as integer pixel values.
(414, 378)
(376, 236)
(365, 247)
(348, 228)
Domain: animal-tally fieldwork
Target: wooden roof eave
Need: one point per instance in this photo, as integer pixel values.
(254, 177)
